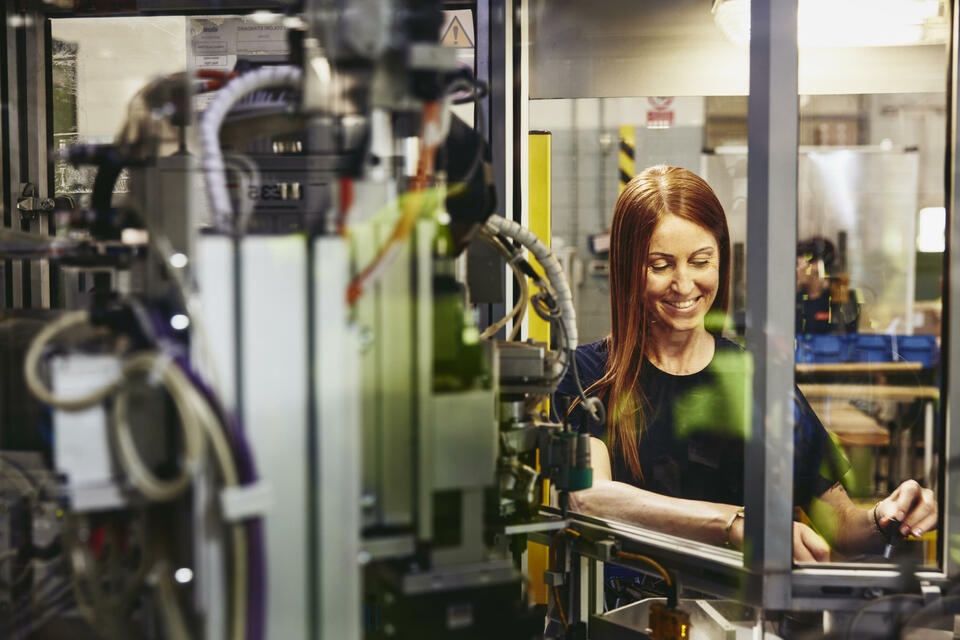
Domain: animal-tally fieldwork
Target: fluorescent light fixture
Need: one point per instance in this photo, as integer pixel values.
(847, 23)
(931, 230)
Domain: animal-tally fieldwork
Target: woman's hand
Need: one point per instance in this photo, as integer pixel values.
(912, 505)
(808, 546)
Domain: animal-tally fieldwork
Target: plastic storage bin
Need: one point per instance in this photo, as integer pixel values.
(822, 348)
(869, 347)
(919, 348)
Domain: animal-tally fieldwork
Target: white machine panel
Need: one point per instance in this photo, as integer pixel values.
(274, 403)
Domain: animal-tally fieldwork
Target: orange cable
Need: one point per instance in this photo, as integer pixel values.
(431, 111)
(556, 598)
(650, 561)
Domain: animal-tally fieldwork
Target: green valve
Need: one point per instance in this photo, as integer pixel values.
(580, 479)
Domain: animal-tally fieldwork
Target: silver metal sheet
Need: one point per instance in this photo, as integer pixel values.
(215, 346)
(549, 525)
(464, 440)
(519, 360)
(395, 387)
(427, 457)
(337, 426)
(709, 620)
(460, 577)
(274, 404)
(392, 547)
(366, 311)
(846, 588)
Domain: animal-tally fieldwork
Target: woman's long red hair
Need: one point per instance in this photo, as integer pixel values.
(656, 192)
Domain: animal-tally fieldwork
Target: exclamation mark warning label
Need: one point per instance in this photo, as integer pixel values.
(454, 35)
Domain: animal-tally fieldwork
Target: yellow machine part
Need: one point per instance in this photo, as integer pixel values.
(538, 329)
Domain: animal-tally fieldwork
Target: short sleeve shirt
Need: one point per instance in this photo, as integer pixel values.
(693, 443)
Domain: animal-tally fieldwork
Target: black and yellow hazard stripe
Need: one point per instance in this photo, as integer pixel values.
(627, 146)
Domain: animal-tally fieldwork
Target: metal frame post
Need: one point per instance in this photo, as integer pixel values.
(494, 55)
(950, 512)
(38, 121)
(6, 288)
(771, 238)
(27, 71)
(12, 25)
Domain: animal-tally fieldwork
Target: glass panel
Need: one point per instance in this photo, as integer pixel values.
(870, 181)
(869, 270)
(99, 65)
(599, 87)
(869, 263)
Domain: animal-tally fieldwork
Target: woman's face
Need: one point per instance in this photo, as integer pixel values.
(683, 274)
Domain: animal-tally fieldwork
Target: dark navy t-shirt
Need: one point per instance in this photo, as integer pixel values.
(693, 443)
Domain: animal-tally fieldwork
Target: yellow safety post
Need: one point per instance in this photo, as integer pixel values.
(538, 219)
(538, 329)
(627, 147)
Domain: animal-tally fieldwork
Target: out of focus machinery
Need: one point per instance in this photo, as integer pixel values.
(276, 416)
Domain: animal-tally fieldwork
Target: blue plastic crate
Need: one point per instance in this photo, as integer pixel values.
(822, 348)
(919, 348)
(871, 347)
(804, 350)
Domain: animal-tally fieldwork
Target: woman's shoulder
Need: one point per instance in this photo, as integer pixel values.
(597, 348)
(592, 360)
(591, 365)
(725, 344)
(729, 357)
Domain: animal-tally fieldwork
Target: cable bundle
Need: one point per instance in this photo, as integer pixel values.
(202, 423)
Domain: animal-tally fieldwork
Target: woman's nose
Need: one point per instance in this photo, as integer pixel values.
(682, 282)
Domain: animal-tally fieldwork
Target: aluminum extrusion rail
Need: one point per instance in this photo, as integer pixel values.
(720, 572)
(700, 566)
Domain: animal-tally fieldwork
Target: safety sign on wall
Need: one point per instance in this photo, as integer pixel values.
(660, 115)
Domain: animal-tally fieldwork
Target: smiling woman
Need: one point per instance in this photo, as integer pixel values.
(681, 286)
(677, 392)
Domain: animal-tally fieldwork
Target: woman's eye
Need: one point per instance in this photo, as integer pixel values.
(660, 266)
(700, 263)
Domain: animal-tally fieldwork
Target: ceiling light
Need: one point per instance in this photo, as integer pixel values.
(847, 23)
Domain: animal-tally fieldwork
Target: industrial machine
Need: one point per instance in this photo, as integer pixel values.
(275, 415)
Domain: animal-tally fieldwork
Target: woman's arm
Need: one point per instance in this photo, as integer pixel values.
(853, 530)
(703, 521)
(694, 519)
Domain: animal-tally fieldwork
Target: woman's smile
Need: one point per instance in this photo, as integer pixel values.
(682, 305)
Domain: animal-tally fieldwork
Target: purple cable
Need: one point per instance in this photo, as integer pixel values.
(158, 329)
(246, 470)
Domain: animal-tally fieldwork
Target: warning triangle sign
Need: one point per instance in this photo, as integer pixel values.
(455, 36)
